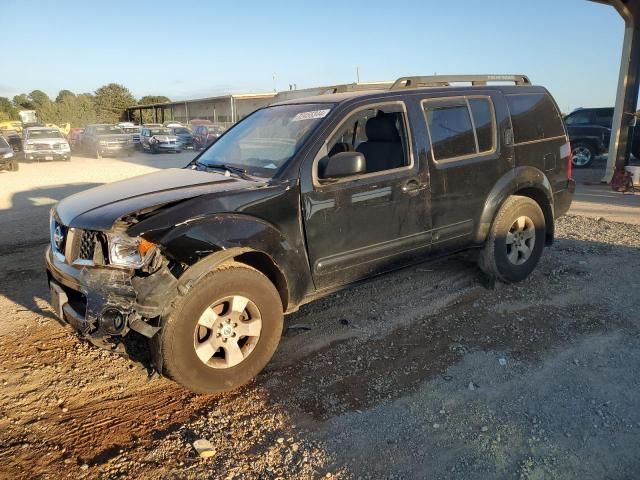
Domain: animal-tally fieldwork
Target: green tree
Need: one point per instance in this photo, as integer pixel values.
(64, 94)
(22, 101)
(7, 110)
(151, 99)
(43, 105)
(111, 102)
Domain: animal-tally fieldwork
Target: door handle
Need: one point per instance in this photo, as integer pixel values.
(411, 186)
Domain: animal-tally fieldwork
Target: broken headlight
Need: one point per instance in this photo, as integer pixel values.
(129, 252)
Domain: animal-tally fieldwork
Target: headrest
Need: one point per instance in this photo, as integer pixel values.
(382, 128)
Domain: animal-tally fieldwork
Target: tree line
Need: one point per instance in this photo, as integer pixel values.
(106, 105)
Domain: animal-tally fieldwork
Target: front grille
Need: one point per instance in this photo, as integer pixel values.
(78, 247)
(42, 146)
(87, 246)
(56, 146)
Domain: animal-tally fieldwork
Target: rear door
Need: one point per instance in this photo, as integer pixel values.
(369, 223)
(467, 154)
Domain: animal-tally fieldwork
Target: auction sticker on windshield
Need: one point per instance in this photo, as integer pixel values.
(310, 115)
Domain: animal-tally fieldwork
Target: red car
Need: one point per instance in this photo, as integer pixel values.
(205, 135)
(74, 137)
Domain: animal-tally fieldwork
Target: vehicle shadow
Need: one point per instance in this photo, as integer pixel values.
(24, 235)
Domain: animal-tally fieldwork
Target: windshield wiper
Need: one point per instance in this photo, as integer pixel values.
(241, 172)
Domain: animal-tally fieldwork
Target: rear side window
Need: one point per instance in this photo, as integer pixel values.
(460, 127)
(534, 117)
(579, 118)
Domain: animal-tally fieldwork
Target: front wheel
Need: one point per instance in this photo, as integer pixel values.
(582, 154)
(515, 242)
(223, 332)
(14, 166)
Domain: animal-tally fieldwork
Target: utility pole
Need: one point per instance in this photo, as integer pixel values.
(357, 74)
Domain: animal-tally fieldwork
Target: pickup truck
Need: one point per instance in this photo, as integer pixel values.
(589, 131)
(301, 199)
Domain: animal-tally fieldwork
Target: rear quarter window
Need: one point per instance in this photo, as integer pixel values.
(534, 117)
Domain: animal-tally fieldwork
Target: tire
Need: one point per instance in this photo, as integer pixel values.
(175, 345)
(14, 166)
(154, 150)
(583, 154)
(511, 252)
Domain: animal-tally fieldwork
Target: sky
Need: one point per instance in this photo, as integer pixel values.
(206, 48)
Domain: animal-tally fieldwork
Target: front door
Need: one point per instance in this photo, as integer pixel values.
(371, 222)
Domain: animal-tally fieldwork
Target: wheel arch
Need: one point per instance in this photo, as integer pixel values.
(526, 181)
(258, 260)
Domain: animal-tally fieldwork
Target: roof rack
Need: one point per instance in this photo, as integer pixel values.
(446, 80)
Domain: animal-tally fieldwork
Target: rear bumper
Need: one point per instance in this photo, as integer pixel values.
(563, 198)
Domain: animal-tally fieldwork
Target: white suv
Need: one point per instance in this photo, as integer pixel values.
(43, 143)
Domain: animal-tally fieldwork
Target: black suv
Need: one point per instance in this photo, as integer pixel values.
(303, 198)
(589, 130)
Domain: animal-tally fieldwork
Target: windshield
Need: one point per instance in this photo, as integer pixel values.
(160, 131)
(3, 143)
(267, 139)
(182, 131)
(44, 134)
(108, 130)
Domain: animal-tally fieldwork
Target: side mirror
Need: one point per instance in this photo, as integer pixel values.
(343, 164)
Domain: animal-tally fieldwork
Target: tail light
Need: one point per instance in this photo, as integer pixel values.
(565, 152)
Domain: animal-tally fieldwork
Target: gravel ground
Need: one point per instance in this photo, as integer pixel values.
(423, 373)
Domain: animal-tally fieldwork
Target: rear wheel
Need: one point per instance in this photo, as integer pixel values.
(515, 242)
(223, 332)
(582, 154)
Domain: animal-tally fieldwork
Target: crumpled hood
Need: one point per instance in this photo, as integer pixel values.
(98, 208)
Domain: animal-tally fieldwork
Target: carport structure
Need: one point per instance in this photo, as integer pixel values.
(628, 85)
(226, 109)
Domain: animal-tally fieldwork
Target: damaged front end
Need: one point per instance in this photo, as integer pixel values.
(105, 284)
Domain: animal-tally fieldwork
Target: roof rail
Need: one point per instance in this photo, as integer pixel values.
(446, 80)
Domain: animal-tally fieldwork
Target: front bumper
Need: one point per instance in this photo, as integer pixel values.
(167, 146)
(101, 302)
(47, 155)
(115, 149)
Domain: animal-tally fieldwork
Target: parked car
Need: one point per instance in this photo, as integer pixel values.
(184, 136)
(45, 143)
(105, 139)
(172, 124)
(300, 199)
(7, 157)
(159, 139)
(15, 125)
(13, 138)
(590, 133)
(134, 133)
(74, 138)
(205, 135)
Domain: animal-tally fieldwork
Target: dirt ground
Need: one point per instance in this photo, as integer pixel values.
(422, 373)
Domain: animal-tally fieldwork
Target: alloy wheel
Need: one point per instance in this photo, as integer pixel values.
(520, 240)
(227, 332)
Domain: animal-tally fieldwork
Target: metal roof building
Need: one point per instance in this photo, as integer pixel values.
(227, 109)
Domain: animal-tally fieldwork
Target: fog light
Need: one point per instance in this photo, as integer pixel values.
(112, 321)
